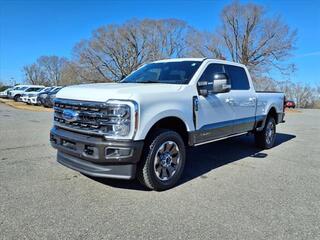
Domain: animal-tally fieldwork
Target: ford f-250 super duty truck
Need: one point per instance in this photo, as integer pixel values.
(142, 125)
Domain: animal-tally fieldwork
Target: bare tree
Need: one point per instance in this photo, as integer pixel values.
(52, 67)
(114, 51)
(251, 38)
(264, 83)
(75, 73)
(70, 74)
(45, 71)
(165, 38)
(303, 95)
(34, 74)
(203, 44)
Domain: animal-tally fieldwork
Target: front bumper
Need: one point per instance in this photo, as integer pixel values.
(33, 100)
(95, 156)
(24, 99)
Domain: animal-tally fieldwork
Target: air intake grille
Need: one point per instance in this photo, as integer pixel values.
(91, 117)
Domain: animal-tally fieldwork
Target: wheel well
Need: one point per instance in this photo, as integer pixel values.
(273, 113)
(171, 123)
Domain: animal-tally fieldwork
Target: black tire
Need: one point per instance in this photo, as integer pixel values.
(45, 104)
(264, 139)
(151, 169)
(17, 98)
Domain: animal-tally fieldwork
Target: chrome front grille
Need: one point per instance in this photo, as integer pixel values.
(91, 116)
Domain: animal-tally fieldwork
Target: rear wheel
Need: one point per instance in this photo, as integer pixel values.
(265, 139)
(163, 162)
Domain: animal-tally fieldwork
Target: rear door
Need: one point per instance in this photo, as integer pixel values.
(242, 99)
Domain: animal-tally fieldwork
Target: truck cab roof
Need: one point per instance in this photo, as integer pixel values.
(214, 60)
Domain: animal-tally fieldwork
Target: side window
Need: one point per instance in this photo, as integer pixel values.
(211, 69)
(239, 78)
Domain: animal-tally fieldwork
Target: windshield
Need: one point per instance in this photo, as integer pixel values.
(164, 72)
(22, 88)
(34, 89)
(46, 89)
(55, 90)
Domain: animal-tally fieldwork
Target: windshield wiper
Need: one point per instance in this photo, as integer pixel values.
(148, 81)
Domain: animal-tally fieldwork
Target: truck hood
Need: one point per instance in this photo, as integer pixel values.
(101, 92)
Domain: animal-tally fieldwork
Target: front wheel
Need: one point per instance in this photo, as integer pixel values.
(265, 139)
(163, 162)
(16, 98)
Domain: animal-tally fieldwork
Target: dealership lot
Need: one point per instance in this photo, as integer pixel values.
(230, 189)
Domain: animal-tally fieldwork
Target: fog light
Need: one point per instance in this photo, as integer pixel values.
(116, 153)
(53, 139)
(89, 150)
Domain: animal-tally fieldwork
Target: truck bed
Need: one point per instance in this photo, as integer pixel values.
(271, 99)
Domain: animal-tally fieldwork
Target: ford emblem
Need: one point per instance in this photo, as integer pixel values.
(70, 115)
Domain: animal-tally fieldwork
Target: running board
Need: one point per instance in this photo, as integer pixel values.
(218, 139)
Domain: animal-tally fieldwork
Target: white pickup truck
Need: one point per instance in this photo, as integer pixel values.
(17, 91)
(142, 125)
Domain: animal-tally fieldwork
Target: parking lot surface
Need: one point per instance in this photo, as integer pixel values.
(230, 189)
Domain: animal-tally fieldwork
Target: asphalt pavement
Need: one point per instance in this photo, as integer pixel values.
(230, 189)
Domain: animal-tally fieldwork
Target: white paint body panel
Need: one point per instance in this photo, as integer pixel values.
(157, 101)
(15, 92)
(265, 101)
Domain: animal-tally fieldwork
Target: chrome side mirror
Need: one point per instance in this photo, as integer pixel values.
(221, 83)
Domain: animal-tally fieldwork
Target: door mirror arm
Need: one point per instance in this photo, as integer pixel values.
(203, 88)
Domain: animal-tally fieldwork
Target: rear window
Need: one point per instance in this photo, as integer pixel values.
(238, 76)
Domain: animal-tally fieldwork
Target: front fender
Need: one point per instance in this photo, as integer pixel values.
(147, 123)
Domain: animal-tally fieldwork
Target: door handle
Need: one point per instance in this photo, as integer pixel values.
(252, 99)
(230, 100)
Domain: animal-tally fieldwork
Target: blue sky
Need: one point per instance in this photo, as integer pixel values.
(29, 29)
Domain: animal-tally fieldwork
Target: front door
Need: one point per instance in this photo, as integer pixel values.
(215, 114)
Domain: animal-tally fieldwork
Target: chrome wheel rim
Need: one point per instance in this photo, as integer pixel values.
(270, 132)
(167, 160)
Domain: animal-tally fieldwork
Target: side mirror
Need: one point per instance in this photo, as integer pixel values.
(203, 88)
(220, 83)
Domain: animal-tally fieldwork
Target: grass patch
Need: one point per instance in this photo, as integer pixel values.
(24, 106)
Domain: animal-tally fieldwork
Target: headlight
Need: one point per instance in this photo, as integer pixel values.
(122, 119)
